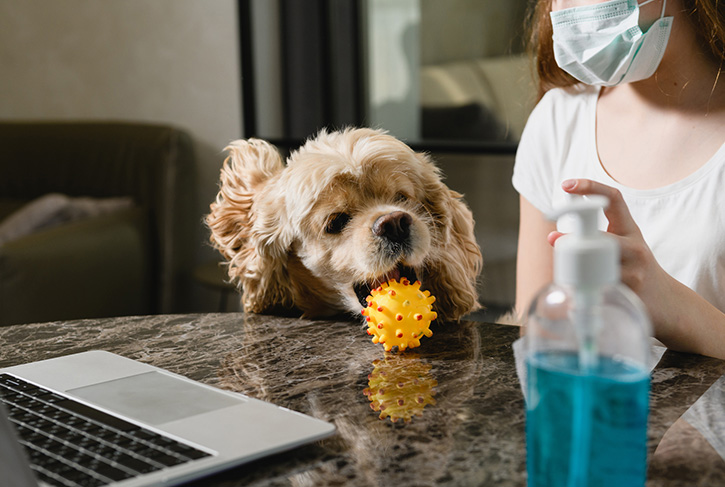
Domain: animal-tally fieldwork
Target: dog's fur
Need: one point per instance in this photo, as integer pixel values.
(350, 210)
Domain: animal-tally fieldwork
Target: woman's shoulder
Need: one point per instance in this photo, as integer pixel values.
(564, 111)
(570, 97)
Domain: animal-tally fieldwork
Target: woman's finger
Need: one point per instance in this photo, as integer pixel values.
(620, 219)
(553, 237)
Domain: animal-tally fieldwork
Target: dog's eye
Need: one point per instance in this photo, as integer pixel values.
(336, 222)
(401, 198)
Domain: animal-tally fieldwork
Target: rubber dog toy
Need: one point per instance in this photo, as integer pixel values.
(399, 314)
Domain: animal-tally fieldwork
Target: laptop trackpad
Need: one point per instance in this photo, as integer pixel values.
(155, 398)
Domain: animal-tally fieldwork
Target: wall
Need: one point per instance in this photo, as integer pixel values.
(459, 30)
(165, 61)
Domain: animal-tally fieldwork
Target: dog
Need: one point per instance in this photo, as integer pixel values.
(350, 210)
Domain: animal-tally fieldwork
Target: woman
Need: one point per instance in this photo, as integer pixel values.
(632, 108)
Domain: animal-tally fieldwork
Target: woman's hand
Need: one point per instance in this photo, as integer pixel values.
(640, 270)
(682, 319)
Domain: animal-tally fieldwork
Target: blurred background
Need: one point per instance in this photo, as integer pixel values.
(114, 116)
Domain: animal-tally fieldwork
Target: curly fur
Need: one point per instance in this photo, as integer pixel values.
(277, 224)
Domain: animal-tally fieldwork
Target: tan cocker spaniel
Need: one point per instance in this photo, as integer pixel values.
(349, 211)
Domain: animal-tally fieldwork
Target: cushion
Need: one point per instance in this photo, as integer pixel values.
(55, 209)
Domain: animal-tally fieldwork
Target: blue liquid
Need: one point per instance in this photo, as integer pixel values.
(586, 429)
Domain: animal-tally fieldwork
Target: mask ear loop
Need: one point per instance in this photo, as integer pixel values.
(664, 4)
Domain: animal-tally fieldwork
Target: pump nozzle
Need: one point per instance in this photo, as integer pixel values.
(586, 210)
(586, 256)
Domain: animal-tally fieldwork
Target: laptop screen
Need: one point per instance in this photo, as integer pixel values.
(14, 464)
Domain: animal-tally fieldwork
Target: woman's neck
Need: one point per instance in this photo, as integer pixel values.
(687, 79)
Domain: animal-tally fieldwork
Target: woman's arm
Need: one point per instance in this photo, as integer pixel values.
(535, 258)
(682, 319)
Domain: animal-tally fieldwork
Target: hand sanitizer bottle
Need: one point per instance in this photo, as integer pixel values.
(587, 354)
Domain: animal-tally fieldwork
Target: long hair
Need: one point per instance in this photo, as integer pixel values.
(707, 18)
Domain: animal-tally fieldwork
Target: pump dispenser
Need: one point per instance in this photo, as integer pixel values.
(585, 258)
(587, 360)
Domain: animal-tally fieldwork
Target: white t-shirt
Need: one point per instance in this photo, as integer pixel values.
(683, 223)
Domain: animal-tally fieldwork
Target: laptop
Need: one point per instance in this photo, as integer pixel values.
(96, 418)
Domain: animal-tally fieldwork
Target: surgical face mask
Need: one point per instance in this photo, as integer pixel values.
(603, 45)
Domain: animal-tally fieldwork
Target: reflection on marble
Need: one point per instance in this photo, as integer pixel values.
(707, 415)
(470, 432)
(400, 386)
(692, 451)
(327, 376)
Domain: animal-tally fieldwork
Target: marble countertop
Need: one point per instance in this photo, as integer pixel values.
(461, 421)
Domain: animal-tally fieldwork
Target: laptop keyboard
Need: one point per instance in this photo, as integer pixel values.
(71, 444)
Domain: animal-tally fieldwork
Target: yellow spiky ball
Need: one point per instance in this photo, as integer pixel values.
(400, 387)
(399, 314)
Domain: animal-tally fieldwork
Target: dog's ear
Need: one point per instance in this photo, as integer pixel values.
(458, 262)
(248, 224)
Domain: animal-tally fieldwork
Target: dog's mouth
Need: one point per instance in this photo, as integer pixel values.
(363, 289)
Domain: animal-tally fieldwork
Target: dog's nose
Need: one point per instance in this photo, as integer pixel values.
(394, 226)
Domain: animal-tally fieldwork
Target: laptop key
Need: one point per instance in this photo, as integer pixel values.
(111, 472)
(135, 464)
(48, 479)
(166, 460)
(96, 415)
(83, 479)
(187, 451)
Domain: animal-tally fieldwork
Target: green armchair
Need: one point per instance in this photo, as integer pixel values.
(133, 261)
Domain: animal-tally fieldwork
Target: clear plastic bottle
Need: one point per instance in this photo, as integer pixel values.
(587, 359)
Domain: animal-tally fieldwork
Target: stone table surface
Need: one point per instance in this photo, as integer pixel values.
(462, 417)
